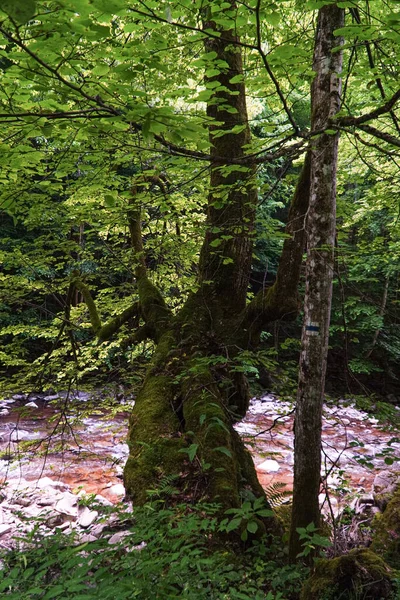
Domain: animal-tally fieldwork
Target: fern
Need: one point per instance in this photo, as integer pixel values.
(276, 494)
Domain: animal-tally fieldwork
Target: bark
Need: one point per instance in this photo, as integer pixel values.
(321, 222)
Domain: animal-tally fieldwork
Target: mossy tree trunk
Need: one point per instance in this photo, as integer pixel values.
(320, 228)
(194, 390)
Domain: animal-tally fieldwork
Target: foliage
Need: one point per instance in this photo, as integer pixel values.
(168, 553)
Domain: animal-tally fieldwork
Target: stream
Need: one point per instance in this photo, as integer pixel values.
(73, 440)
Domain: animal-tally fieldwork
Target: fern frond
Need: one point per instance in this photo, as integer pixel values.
(276, 494)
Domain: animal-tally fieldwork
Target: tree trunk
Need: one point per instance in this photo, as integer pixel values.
(321, 223)
(183, 419)
(194, 391)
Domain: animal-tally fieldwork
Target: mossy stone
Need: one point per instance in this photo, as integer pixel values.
(359, 575)
(386, 532)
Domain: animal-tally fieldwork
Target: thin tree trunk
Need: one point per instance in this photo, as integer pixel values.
(320, 226)
(381, 314)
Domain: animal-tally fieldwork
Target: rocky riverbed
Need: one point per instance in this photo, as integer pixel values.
(57, 449)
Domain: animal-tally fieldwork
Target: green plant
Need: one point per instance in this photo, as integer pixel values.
(246, 518)
(168, 553)
(312, 541)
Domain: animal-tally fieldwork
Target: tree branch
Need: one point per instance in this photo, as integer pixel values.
(141, 335)
(91, 306)
(108, 330)
(280, 301)
(357, 121)
(104, 332)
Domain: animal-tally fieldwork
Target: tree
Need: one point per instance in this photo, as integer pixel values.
(321, 228)
(105, 87)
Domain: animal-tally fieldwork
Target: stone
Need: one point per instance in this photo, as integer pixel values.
(87, 538)
(117, 537)
(268, 466)
(46, 482)
(68, 505)
(20, 435)
(51, 397)
(101, 500)
(87, 517)
(31, 405)
(36, 511)
(47, 500)
(385, 482)
(117, 489)
(55, 520)
(4, 412)
(5, 528)
(386, 531)
(23, 501)
(98, 529)
(359, 574)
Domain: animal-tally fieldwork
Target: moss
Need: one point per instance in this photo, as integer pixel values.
(153, 439)
(386, 532)
(152, 305)
(361, 574)
(205, 416)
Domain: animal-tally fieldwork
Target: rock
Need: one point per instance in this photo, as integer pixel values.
(51, 397)
(47, 500)
(20, 435)
(358, 574)
(5, 528)
(117, 489)
(4, 412)
(101, 500)
(46, 482)
(87, 538)
(384, 486)
(268, 466)
(120, 451)
(68, 505)
(117, 537)
(386, 532)
(55, 520)
(87, 517)
(98, 529)
(34, 511)
(31, 405)
(23, 501)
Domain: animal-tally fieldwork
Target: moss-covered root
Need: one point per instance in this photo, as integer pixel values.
(361, 574)
(386, 532)
(153, 439)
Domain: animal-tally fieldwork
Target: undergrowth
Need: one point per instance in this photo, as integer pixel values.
(166, 553)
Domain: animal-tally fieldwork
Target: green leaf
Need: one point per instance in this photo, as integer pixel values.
(101, 69)
(252, 526)
(109, 200)
(223, 450)
(19, 10)
(234, 524)
(191, 451)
